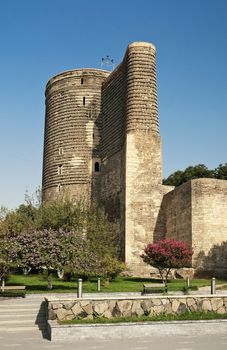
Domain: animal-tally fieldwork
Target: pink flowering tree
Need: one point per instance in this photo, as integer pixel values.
(167, 254)
(57, 250)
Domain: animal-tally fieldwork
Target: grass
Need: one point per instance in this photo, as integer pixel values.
(37, 283)
(162, 317)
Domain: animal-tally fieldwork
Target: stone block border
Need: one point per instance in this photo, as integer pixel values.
(88, 308)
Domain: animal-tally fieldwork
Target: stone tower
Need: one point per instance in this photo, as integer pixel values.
(71, 152)
(131, 158)
(102, 143)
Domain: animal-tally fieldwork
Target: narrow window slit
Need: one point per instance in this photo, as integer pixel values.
(97, 167)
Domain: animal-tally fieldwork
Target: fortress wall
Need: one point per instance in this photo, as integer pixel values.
(196, 213)
(177, 207)
(71, 139)
(209, 224)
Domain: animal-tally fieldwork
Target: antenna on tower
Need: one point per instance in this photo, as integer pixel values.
(107, 62)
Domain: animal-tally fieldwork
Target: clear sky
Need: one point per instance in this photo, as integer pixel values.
(40, 38)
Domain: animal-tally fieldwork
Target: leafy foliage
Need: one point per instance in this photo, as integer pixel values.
(196, 172)
(167, 254)
(76, 238)
(53, 250)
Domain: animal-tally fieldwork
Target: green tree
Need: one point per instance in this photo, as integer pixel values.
(192, 172)
(87, 221)
(221, 172)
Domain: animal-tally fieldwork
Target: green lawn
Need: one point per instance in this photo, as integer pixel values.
(37, 283)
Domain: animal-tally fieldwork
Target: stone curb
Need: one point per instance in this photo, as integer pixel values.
(134, 330)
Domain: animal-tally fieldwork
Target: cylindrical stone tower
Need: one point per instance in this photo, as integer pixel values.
(142, 101)
(71, 160)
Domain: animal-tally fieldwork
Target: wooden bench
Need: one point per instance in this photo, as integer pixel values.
(13, 291)
(148, 287)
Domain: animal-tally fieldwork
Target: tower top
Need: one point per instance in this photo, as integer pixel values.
(142, 43)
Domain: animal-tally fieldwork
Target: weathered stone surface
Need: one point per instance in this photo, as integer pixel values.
(116, 312)
(88, 308)
(84, 303)
(56, 305)
(137, 309)
(206, 305)
(175, 305)
(216, 303)
(69, 305)
(125, 307)
(182, 308)
(78, 310)
(165, 301)
(100, 308)
(156, 302)
(194, 307)
(107, 314)
(158, 309)
(221, 310)
(62, 314)
(70, 316)
(146, 306)
(112, 304)
(191, 301)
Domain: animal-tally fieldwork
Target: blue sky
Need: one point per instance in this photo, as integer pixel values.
(40, 38)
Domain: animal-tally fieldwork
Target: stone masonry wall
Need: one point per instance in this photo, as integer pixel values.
(110, 307)
(209, 225)
(178, 213)
(196, 213)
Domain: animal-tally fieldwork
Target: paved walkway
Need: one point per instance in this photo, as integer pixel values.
(192, 338)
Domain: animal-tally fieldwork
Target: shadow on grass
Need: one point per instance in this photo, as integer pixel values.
(142, 280)
(55, 287)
